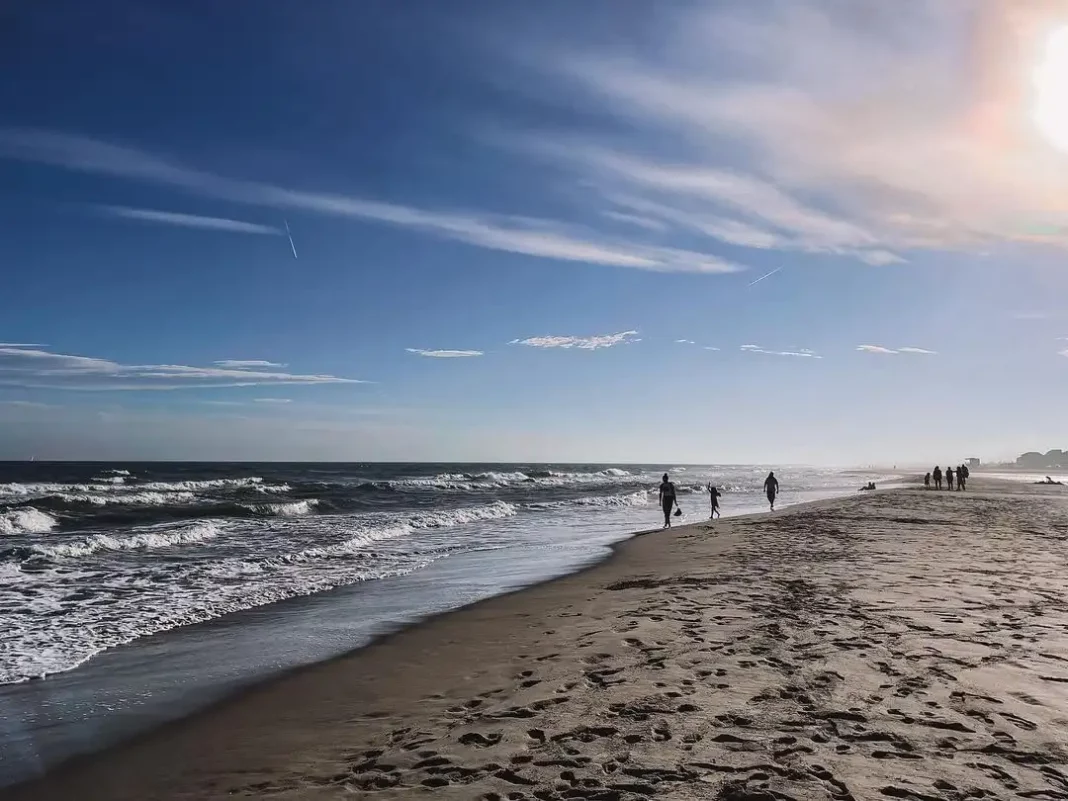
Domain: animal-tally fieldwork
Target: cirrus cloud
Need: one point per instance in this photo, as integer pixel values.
(30, 367)
(880, 349)
(191, 220)
(544, 238)
(800, 353)
(445, 354)
(825, 156)
(245, 364)
(581, 343)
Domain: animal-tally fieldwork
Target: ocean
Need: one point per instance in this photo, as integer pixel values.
(131, 594)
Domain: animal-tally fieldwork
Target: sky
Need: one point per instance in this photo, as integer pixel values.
(791, 232)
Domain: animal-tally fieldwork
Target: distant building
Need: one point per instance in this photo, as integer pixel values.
(972, 461)
(1034, 459)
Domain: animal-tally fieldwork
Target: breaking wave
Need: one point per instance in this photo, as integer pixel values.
(147, 539)
(26, 520)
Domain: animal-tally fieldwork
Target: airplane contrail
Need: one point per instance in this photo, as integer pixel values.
(769, 275)
(290, 236)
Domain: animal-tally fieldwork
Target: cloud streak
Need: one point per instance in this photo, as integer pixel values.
(26, 367)
(880, 349)
(244, 364)
(581, 343)
(190, 221)
(802, 353)
(508, 233)
(445, 354)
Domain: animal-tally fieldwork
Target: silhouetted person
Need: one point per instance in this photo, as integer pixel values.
(949, 478)
(962, 476)
(713, 496)
(927, 481)
(771, 487)
(668, 499)
(937, 475)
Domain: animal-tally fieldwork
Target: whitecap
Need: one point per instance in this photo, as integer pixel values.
(26, 520)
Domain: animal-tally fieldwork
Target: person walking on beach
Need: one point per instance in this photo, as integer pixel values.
(713, 496)
(962, 477)
(668, 499)
(771, 487)
(949, 478)
(937, 475)
(927, 481)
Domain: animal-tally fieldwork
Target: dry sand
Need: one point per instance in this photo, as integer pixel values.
(904, 644)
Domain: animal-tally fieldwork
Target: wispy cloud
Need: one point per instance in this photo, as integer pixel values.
(844, 147)
(635, 219)
(685, 342)
(721, 203)
(582, 343)
(529, 236)
(25, 404)
(21, 345)
(445, 354)
(710, 347)
(245, 364)
(880, 349)
(1031, 315)
(190, 220)
(38, 368)
(801, 353)
(272, 400)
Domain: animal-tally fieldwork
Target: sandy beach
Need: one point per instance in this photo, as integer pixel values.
(904, 644)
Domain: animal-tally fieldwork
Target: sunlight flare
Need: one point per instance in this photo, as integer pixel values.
(1051, 89)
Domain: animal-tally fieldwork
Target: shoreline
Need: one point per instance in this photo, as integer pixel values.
(667, 658)
(124, 673)
(615, 550)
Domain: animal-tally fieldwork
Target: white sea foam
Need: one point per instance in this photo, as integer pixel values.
(639, 498)
(291, 509)
(193, 486)
(26, 520)
(145, 539)
(501, 480)
(128, 499)
(271, 489)
(365, 531)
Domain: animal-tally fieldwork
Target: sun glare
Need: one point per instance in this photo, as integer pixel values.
(1051, 90)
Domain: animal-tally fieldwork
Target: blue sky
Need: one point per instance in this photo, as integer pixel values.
(532, 231)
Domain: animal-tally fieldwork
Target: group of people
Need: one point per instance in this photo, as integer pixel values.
(669, 497)
(960, 476)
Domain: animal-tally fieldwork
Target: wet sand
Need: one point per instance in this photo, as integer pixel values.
(905, 644)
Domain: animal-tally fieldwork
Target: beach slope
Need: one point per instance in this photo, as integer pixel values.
(904, 644)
